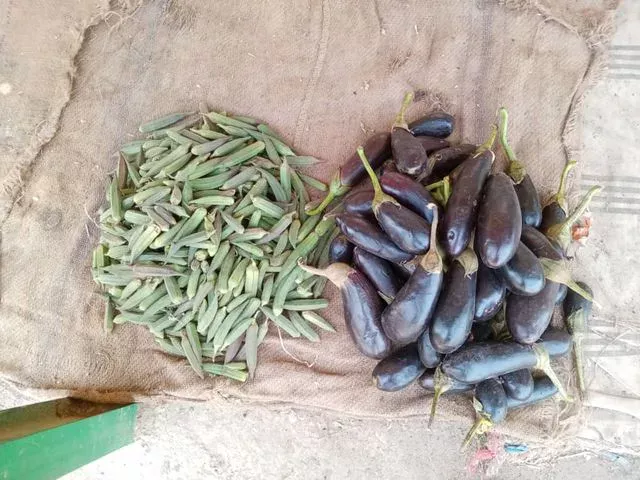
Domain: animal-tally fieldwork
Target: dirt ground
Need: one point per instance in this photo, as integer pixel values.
(185, 440)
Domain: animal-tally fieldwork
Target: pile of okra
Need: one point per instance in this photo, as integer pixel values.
(450, 270)
(200, 241)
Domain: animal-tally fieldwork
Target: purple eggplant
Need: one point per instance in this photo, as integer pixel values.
(528, 317)
(409, 193)
(543, 388)
(432, 144)
(428, 355)
(379, 271)
(523, 274)
(490, 402)
(518, 384)
(340, 250)
(490, 293)
(359, 201)
(439, 125)
(529, 201)
(443, 162)
(398, 370)
(407, 151)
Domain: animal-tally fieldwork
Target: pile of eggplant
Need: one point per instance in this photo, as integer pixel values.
(450, 271)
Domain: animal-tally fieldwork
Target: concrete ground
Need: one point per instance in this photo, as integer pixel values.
(185, 440)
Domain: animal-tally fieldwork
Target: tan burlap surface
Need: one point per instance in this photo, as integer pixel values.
(323, 73)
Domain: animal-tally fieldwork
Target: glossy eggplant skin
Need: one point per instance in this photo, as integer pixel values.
(460, 215)
(490, 393)
(543, 388)
(409, 314)
(341, 250)
(442, 162)
(556, 342)
(428, 355)
(408, 230)
(454, 313)
(562, 294)
(518, 384)
(439, 125)
(539, 244)
(523, 274)
(574, 302)
(490, 293)
(359, 201)
(408, 192)
(427, 381)
(377, 149)
(367, 235)
(432, 144)
(476, 362)
(379, 272)
(407, 152)
(552, 214)
(528, 317)
(499, 221)
(529, 202)
(362, 310)
(398, 370)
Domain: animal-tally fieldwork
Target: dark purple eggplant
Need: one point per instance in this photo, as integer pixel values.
(562, 294)
(409, 193)
(439, 125)
(543, 388)
(499, 222)
(377, 148)
(577, 311)
(490, 293)
(362, 308)
(476, 362)
(481, 332)
(427, 381)
(398, 370)
(406, 149)
(407, 229)
(490, 402)
(408, 315)
(518, 384)
(523, 274)
(432, 144)
(454, 313)
(379, 271)
(528, 317)
(368, 236)
(442, 162)
(539, 244)
(340, 249)
(529, 201)
(557, 208)
(359, 201)
(428, 355)
(460, 215)
(556, 342)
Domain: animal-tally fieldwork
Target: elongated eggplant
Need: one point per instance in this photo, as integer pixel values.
(359, 201)
(557, 208)
(377, 148)
(439, 125)
(556, 342)
(528, 317)
(577, 311)
(379, 271)
(362, 308)
(490, 293)
(427, 381)
(406, 149)
(409, 193)
(454, 313)
(408, 315)
(499, 222)
(490, 403)
(432, 144)
(398, 370)
(442, 162)
(562, 294)
(460, 215)
(523, 274)
(407, 229)
(518, 384)
(529, 201)
(528, 198)
(341, 250)
(428, 355)
(543, 388)
(368, 236)
(476, 362)
(539, 244)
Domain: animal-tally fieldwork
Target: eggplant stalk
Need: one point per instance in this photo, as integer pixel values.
(516, 169)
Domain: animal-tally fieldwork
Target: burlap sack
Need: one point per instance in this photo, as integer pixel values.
(325, 74)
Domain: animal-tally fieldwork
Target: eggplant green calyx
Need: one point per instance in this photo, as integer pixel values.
(441, 384)
(544, 364)
(561, 233)
(400, 122)
(481, 426)
(379, 196)
(488, 144)
(561, 195)
(432, 260)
